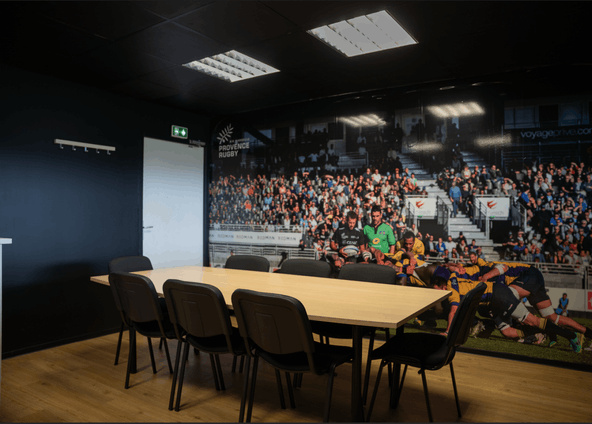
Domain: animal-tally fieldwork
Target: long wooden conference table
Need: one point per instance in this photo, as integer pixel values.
(325, 299)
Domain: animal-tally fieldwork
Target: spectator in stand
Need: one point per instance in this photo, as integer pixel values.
(518, 250)
(450, 244)
(455, 195)
(440, 247)
(572, 258)
(538, 255)
(509, 243)
(431, 247)
(558, 258)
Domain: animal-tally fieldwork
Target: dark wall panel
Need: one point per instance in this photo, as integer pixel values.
(69, 212)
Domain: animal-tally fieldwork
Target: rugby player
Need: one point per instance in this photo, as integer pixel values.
(503, 304)
(410, 245)
(528, 282)
(344, 237)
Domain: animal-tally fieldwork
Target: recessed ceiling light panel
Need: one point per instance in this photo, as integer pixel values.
(231, 66)
(364, 34)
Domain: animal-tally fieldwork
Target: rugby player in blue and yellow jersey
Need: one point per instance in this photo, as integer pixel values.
(502, 304)
(527, 281)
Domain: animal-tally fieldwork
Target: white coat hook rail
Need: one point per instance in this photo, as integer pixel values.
(86, 146)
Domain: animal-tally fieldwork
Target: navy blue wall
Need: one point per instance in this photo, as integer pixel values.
(69, 212)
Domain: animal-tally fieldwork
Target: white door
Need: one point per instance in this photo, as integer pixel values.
(173, 203)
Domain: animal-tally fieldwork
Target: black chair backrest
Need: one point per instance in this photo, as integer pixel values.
(370, 273)
(463, 318)
(130, 264)
(307, 267)
(274, 323)
(197, 308)
(248, 263)
(136, 297)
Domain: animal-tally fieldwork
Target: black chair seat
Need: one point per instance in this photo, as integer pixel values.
(422, 350)
(152, 329)
(218, 344)
(324, 356)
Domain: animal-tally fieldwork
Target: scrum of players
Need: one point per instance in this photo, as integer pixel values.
(507, 282)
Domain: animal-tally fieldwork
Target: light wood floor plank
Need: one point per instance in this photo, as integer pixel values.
(79, 383)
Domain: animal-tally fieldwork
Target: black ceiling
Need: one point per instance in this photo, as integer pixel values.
(136, 48)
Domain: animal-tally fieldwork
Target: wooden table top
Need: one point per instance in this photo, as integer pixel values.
(325, 299)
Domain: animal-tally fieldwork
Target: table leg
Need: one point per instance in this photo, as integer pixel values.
(396, 381)
(357, 409)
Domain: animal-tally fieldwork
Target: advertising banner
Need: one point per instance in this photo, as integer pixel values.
(423, 207)
(498, 208)
(254, 237)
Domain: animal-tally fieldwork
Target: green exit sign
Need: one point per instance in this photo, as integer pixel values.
(179, 132)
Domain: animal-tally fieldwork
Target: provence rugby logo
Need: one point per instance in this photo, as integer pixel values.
(225, 134)
(376, 240)
(491, 205)
(419, 204)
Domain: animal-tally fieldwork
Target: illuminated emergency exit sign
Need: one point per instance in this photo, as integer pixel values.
(179, 132)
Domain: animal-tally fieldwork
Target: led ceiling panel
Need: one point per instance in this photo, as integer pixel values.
(231, 66)
(364, 34)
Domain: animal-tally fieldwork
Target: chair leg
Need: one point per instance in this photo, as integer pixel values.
(168, 355)
(368, 367)
(119, 342)
(427, 395)
(397, 387)
(129, 357)
(160, 344)
(240, 368)
(241, 414)
(182, 376)
(214, 371)
(219, 369)
(175, 374)
(278, 379)
(151, 355)
(329, 393)
(290, 390)
(252, 391)
(455, 392)
(233, 369)
(382, 364)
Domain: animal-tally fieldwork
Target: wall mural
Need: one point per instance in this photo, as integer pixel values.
(471, 181)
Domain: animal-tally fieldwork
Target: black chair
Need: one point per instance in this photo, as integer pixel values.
(200, 318)
(142, 311)
(127, 264)
(369, 273)
(276, 328)
(248, 263)
(306, 267)
(429, 351)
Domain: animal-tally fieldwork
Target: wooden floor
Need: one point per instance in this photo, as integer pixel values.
(79, 383)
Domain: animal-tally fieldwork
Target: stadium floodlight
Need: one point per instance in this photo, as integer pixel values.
(363, 120)
(364, 34)
(231, 66)
(457, 110)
